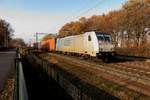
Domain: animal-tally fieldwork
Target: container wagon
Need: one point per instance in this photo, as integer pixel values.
(49, 44)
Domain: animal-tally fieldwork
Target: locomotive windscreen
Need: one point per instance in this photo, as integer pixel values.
(107, 38)
(103, 36)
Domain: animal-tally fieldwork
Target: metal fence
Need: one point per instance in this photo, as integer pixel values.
(20, 89)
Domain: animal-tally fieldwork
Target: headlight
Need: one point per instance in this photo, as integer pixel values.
(112, 49)
(100, 49)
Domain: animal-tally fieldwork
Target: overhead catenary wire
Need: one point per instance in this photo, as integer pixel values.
(95, 6)
(84, 11)
(87, 10)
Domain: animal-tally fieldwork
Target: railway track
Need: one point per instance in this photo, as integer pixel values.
(135, 78)
(129, 71)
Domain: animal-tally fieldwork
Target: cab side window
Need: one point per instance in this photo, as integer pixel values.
(89, 38)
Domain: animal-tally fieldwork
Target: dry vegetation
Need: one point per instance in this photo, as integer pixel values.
(141, 52)
(7, 93)
(95, 77)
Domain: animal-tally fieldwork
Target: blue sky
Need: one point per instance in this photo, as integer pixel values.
(30, 16)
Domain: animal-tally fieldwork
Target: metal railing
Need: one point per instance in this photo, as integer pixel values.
(20, 89)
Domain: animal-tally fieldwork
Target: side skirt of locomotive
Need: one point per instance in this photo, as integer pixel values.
(105, 56)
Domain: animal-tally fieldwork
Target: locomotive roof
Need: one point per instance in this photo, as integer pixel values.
(104, 33)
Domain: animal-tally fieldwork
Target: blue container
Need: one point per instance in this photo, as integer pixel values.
(58, 44)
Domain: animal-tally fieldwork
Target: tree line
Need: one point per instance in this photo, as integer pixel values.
(6, 32)
(127, 25)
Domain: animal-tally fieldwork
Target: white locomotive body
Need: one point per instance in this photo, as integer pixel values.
(93, 44)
